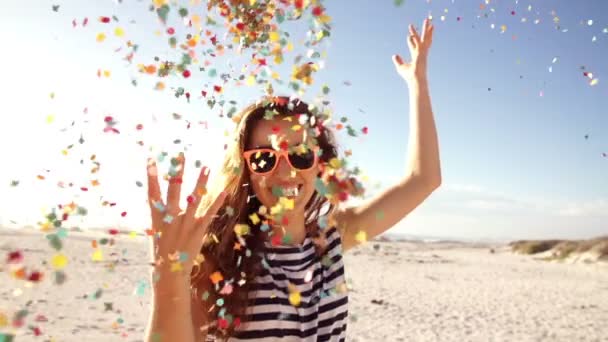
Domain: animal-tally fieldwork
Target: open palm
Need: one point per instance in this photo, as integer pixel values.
(419, 49)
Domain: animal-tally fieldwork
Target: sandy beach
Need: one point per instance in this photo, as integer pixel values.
(399, 291)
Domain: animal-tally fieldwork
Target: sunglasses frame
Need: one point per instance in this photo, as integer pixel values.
(280, 154)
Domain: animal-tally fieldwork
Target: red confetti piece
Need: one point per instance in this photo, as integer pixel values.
(108, 119)
(186, 73)
(284, 145)
(299, 4)
(217, 88)
(104, 20)
(204, 93)
(35, 276)
(276, 129)
(139, 127)
(14, 257)
(84, 188)
(190, 199)
(171, 30)
(123, 214)
(222, 323)
(113, 231)
(85, 21)
(317, 11)
(343, 196)
(364, 130)
(36, 331)
(41, 318)
(284, 221)
(240, 26)
(276, 240)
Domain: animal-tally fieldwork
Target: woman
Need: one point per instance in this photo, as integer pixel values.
(263, 259)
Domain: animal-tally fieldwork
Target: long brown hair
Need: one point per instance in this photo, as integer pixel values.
(222, 281)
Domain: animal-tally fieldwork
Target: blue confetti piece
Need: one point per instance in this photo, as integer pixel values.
(159, 206)
(322, 222)
(168, 219)
(222, 312)
(141, 288)
(320, 187)
(183, 256)
(219, 302)
(264, 227)
(62, 232)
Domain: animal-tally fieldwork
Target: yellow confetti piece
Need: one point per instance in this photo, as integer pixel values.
(50, 118)
(335, 163)
(97, 255)
(59, 261)
(106, 73)
(286, 203)
(176, 266)
(295, 298)
(64, 152)
(250, 80)
(275, 75)
(159, 86)
(273, 36)
(100, 37)
(503, 28)
(3, 320)
(159, 3)
(132, 234)
(296, 128)
(361, 236)
(594, 81)
(241, 229)
(254, 218)
(119, 32)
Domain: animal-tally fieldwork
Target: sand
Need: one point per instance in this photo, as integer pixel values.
(399, 291)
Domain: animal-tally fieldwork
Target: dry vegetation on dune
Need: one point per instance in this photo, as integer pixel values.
(593, 249)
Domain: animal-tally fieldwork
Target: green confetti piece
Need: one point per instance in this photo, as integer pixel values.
(6, 337)
(325, 90)
(97, 294)
(212, 73)
(219, 302)
(277, 191)
(205, 295)
(14, 183)
(163, 12)
(183, 12)
(55, 241)
(59, 277)
(399, 2)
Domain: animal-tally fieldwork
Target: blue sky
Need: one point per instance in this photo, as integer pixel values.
(512, 110)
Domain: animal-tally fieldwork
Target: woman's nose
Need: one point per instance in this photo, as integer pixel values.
(283, 169)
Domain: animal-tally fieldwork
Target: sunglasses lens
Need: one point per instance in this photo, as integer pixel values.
(262, 162)
(302, 160)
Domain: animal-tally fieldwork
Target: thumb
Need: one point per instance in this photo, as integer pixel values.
(397, 60)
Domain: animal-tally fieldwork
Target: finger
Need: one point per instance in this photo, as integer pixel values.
(199, 191)
(411, 43)
(154, 196)
(397, 60)
(425, 28)
(175, 184)
(415, 35)
(204, 220)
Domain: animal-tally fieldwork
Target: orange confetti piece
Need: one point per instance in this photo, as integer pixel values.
(216, 277)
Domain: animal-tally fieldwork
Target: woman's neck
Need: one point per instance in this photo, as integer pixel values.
(295, 229)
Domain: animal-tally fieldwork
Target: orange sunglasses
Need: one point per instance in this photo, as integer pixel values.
(265, 160)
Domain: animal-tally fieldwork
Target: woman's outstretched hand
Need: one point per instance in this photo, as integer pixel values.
(419, 50)
(178, 235)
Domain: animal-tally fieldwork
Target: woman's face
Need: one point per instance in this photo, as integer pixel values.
(284, 180)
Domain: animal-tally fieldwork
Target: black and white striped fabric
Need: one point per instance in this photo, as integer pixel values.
(322, 311)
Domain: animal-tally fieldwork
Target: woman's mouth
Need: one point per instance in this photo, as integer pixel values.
(290, 191)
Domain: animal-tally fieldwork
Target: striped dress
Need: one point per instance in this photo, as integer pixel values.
(315, 284)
